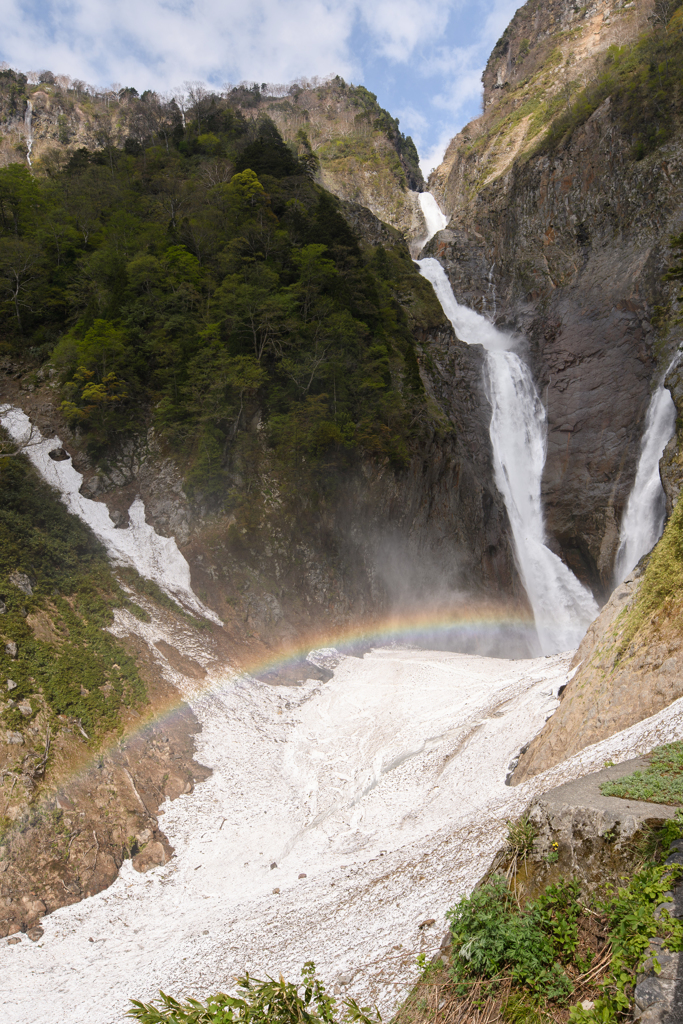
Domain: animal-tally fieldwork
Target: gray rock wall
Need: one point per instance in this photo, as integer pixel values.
(570, 249)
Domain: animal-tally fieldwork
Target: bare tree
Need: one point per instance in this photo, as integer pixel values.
(179, 97)
(199, 99)
(17, 261)
(216, 172)
(10, 449)
(661, 13)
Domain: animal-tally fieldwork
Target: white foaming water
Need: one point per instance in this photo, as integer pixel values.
(643, 521)
(434, 218)
(28, 121)
(140, 546)
(562, 606)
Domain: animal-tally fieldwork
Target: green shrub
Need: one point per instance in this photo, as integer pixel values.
(258, 1002)
(493, 938)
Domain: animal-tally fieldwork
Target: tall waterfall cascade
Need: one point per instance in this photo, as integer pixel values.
(434, 218)
(643, 520)
(562, 606)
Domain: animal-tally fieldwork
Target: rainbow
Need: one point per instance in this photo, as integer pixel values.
(478, 628)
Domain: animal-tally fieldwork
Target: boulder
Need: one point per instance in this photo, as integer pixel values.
(153, 856)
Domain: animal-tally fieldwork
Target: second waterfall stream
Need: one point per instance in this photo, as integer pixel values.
(562, 606)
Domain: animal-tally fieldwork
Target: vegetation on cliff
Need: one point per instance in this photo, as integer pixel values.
(641, 80)
(658, 601)
(358, 147)
(660, 783)
(197, 278)
(58, 665)
(552, 68)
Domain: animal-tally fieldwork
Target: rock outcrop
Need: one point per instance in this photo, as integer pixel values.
(569, 247)
(619, 680)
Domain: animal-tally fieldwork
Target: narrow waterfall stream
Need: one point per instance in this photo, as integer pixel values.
(562, 606)
(28, 122)
(643, 520)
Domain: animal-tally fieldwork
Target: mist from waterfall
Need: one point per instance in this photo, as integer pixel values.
(562, 606)
(643, 520)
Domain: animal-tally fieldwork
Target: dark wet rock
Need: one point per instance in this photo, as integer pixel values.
(59, 455)
(292, 672)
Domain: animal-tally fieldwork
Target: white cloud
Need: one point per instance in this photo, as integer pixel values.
(156, 44)
(432, 156)
(402, 25)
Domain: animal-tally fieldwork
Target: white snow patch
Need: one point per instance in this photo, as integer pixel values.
(139, 545)
(384, 786)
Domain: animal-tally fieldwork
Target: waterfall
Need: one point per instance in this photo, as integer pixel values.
(643, 520)
(434, 218)
(28, 122)
(562, 606)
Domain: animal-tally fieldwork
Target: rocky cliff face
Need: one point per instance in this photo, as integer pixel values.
(363, 156)
(569, 247)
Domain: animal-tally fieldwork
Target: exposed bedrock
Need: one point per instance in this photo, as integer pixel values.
(570, 250)
(438, 529)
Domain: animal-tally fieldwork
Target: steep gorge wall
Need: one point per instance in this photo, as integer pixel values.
(569, 248)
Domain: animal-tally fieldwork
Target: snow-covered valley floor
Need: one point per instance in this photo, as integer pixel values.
(385, 787)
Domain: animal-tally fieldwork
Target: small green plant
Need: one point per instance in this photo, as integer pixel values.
(259, 1002)
(516, 1010)
(661, 782)
(520, 837)
(492, 937)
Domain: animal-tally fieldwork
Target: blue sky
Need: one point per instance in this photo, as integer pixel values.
(423, 59)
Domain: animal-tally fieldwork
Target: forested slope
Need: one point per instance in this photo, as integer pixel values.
(178, 282)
